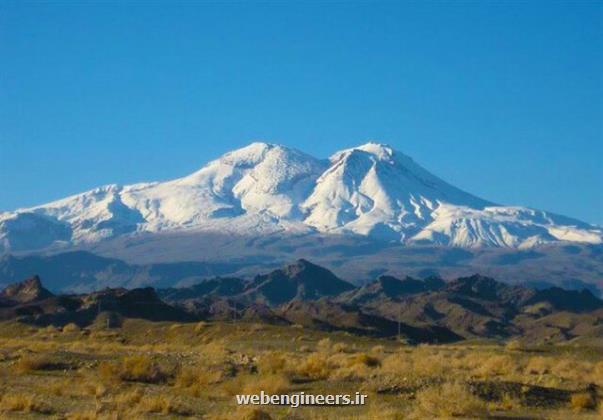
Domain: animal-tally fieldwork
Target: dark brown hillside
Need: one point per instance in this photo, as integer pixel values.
(301, 280)
(83, 309)
(306, 294)
(328, 315)
(29, 290)
(388, 287)
(219, 286)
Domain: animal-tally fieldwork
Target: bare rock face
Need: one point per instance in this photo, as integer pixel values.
(29, 290)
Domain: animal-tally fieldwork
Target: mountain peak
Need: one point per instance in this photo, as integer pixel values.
(250, 154)
(300, 280)
(265, 188)
(380, 150)
(373, 150)
(26, 291)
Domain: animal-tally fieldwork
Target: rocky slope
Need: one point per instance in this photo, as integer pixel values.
(302, 293)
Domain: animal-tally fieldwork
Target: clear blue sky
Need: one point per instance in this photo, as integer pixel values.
(502, 100)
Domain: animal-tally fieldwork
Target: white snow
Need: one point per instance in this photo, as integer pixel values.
(265, 188)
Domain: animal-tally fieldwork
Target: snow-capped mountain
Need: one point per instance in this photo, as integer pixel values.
(370, 190)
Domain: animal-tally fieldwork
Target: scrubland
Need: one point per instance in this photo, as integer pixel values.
(152, 370)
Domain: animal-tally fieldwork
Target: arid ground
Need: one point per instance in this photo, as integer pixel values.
(146, 369)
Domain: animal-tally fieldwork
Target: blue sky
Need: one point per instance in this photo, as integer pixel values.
(502, 100)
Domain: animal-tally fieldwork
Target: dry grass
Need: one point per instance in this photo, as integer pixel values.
(247, 413)
(71, 328)
(315, 366)
(129, 398)
(270, 384)
(339, 348)
(514, 345)
(200, 326)
(83, 415)
(272, 362)
(154, 404)
(496, 365)
(156, 370)
(137, 368)
(451, 399)
(365, 360)
(378, 349)
(583, 401)
(539, 365)
(32, 362)
(196, 380)
(325, 345)
(26, 403)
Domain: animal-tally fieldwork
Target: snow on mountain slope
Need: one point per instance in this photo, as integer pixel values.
(372, 190)
(369, 190)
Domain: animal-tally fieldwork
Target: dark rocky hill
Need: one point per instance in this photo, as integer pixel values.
(428, 310)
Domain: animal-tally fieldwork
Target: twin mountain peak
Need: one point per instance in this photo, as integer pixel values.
(265, 189)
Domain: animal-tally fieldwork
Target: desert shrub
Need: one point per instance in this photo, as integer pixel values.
(398, 363)
(425, 361)
(49, 329)
(71, 328)
(160, 404)
(429, 362)
(339, 347)
(583, 401)
(496, 365)
(58, 387)
(89, 384)
(187, 377)
(508, 402)
(378, 349)
(108, 372)
(272, 362)
(154, 404)
(315, 366)
(195, 379)
(23, 402)
(254, 384)
(538, 365)
(17, 402)
(514, 345)
(573, 369)
(351, 373)
(214, 353)
(450, 399)
(137, 368)
(365, 359)
(128, 398)
(270, 384)
(324, 345)
(29, 363)
(234, 385)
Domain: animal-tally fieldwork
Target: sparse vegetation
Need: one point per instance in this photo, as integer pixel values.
(26, 403)
(583, 401)
(30, 362)
(144, 369)
(138, 368)
(450, 399)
